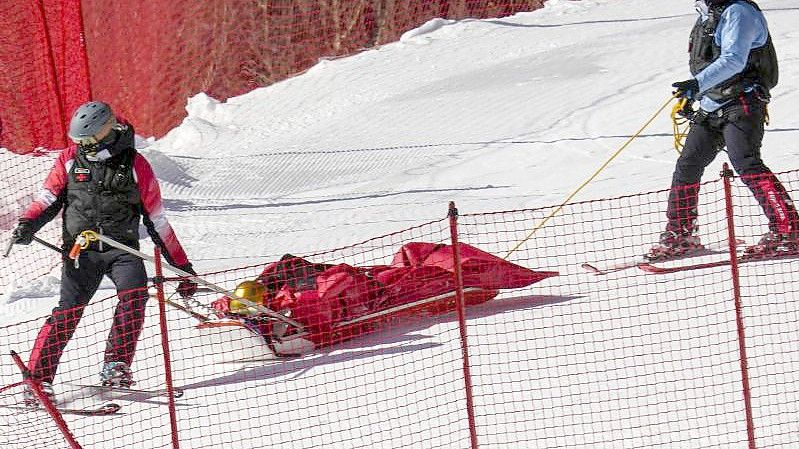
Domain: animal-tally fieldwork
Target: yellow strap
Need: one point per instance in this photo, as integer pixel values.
(591, 178)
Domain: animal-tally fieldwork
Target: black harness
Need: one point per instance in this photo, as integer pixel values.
(103, 196)
(761, 71)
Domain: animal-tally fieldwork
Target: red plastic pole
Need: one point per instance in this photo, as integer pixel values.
(45, 401)
(461, 308)
(170, 388)
(726, 175)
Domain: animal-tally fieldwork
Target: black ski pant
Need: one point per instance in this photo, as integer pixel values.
(78, 285)
(738, 126)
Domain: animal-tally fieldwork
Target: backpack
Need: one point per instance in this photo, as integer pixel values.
(762, 67)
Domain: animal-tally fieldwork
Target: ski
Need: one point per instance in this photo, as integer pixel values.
(599, 270)
(202, 318)
(594, 268)
(656, 269)
(261, 361)
(109, 408)
(176, 392)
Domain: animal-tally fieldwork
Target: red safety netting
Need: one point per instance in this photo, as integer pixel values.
(147, 58)
(45, 73)
(546, 353)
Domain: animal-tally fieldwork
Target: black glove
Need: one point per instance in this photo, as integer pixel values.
(688, 89)
(687, 110)
(23, 234)
(187, 288)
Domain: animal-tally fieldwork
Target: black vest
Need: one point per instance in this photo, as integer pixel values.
(761, 67)
(103, 196)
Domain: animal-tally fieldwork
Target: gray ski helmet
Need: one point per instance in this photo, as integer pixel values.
(90, 119)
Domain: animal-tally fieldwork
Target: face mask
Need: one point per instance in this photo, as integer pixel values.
(104, 149)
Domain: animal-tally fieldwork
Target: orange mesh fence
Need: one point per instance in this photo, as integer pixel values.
(627, 358)
(147, 59)
(365, 373)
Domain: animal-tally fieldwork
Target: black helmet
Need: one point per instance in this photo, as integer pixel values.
(91, 122)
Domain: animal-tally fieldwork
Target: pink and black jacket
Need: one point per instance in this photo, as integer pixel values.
(107, 196)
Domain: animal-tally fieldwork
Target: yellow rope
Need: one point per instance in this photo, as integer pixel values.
(677, 121)
(591, 178)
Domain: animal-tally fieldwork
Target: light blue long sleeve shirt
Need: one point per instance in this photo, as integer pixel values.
(741, 28)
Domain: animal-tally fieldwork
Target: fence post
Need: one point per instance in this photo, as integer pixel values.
(460, 305)
(45, 401)
(726, 175)
(170, 389)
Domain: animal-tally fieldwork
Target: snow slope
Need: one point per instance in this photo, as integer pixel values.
(497, 114)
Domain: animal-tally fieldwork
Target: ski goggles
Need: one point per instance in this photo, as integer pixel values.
(103, 135)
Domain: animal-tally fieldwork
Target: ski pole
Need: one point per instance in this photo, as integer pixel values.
(36, 239)
(48, 244)
(8, 248)
(86, 237)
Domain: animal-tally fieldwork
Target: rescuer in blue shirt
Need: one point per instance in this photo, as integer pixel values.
(734, 67)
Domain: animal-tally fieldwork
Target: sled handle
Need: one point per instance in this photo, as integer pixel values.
(8, 248)
(91, 235)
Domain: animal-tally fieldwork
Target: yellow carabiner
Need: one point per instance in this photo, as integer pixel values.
(88, 238)
(82, 242)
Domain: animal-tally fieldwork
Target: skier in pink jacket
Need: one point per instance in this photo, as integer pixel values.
(100, 184)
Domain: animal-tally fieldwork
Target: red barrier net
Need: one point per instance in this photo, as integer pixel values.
(147, 59)
(366, 349)
(45, 74)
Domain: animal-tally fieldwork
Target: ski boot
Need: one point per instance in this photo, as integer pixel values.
(672, 245)
(116, 374)
(31, 400)
(774, 244)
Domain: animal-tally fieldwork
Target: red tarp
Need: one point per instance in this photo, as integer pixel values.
(325, 298)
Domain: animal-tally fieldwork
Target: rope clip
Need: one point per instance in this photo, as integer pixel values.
(82, 242)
